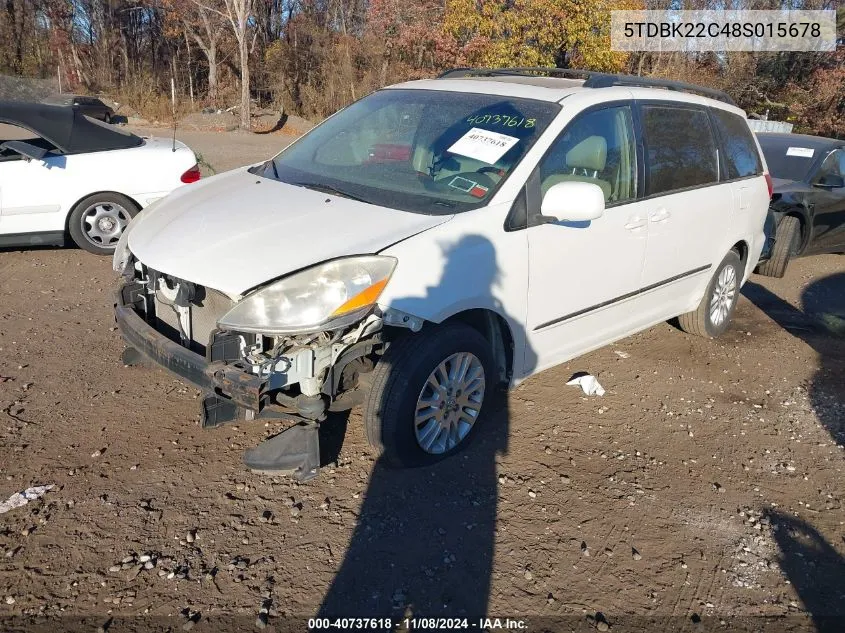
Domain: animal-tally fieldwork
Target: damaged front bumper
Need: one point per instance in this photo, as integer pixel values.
(221, 378)
(246, 376)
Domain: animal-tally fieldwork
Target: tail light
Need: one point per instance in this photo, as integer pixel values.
(193, 174)
(769, 185)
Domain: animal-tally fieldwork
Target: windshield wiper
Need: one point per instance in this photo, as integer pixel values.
(329, 189)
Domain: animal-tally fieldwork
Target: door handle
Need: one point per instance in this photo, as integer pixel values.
(635, 223)
(661, 215)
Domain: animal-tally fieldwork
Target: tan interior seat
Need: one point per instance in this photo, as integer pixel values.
(584, 163)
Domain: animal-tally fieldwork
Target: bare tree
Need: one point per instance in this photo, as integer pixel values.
(203, 25)
(238, 13)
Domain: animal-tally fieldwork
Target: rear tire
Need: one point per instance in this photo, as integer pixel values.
(787, 240)
(107, 118)
(97, 222)
(714, 313)
(396, 421)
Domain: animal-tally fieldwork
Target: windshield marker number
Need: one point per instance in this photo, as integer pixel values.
(501, 119)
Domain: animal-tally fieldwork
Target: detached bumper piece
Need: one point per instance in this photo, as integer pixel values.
(227, 382)
(294, 451)
(232, 392)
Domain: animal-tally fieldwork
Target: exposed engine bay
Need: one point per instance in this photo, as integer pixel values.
(303, 375)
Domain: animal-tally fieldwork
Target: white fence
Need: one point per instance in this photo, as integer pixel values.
(758, 125)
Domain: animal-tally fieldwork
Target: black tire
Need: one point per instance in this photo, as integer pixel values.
(787, 241)
(699, 321)
(79, 227)
(398, 380)
(107, 118)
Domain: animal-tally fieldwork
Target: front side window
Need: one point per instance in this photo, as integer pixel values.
(680, 149)
(741, 157)
(597, 147)
(425, 151)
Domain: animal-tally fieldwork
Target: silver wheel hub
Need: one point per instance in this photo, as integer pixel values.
(724, 294)
(449, 403)
(103, 223)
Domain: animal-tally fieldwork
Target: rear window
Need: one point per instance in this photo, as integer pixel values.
(741, 157)
(680, 149)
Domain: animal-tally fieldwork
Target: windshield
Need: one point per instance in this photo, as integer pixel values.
(788, 159)
(424, 151)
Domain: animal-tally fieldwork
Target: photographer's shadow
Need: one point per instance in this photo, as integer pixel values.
(821, 325)
(423, 545)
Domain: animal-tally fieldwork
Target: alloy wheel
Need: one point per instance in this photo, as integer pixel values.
(449, 403)
(724, 292)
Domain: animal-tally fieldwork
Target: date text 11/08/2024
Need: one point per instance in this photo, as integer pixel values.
(352, 624)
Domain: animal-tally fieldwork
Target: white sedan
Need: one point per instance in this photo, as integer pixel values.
(65, 174)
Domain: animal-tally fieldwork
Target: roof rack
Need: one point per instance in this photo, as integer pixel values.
(591, 79)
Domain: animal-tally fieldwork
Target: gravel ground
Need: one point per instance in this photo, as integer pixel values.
(705, 485)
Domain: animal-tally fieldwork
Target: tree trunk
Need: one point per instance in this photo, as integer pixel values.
(245, 119)
(211, 56)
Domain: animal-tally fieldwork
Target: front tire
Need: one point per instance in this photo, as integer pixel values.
(107, 118)
(714, 313)
(97, 222)
(787, 241)
(427, 394)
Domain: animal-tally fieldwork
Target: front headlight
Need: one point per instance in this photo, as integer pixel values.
(327, 296)
(121, 256)
(121, 252)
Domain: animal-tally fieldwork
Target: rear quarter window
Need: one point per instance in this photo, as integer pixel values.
(680, 148)
(741, 158)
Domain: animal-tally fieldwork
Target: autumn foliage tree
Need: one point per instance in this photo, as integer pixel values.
(316, 56)
(563, 33)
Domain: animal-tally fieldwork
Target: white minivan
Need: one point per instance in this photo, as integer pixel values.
(439, 238)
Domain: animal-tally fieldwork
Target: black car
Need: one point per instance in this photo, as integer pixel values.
(89, 106)
(808, 200)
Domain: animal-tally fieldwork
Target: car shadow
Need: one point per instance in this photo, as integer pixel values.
(35, 248)
(277, 126)
(821, 325)
(813, 567)
(332, 433)
(423, 543)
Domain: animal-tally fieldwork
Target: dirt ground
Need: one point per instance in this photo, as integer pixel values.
(221, 151)
(706, 485)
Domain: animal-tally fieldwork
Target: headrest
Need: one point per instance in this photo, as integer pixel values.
(591, 153)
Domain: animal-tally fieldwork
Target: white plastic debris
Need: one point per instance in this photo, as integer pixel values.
(622, 354)
(22, 498)
(589, 384)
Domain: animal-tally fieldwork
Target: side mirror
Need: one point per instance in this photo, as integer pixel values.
(573, 201)
(26, 150)
(831, 181)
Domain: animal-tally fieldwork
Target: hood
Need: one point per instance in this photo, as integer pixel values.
(784, 185)
(236, 231)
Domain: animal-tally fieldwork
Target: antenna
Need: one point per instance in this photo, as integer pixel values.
(173, 102)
